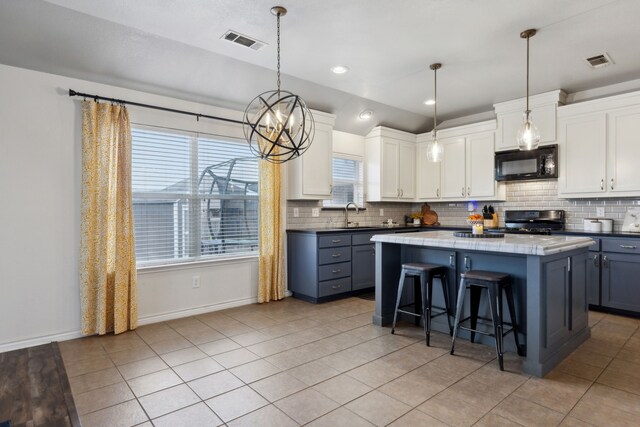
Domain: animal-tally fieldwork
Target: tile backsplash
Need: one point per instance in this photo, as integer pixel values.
(541, 194)
(520, 195)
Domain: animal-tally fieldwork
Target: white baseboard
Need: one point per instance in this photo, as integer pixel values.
(163, 317)
(32, 342)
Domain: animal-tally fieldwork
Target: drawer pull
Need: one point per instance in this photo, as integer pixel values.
(336, 286)
(336, 271)
(596, 258)
(605, 262)
(628, 247)
(336, 241)
(336, 255)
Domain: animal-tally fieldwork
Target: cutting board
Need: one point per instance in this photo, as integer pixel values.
(429, 217)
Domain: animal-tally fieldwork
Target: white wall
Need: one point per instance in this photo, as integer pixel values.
(40, 139)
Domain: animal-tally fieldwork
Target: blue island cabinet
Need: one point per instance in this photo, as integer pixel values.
(549, 283)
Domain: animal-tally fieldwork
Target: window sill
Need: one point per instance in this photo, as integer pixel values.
(188, 265)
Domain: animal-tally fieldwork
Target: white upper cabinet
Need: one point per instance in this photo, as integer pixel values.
(599, 148)
(467, 168)
(543, 114)
(310, 176)
(390, 165)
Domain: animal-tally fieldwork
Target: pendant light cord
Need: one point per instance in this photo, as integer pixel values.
(527, 112)
(435, 100)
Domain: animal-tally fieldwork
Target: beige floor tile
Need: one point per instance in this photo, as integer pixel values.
(250, 338)
(172, 344)
(124, 414)
(269, 348)
(183, 322)
(219, 346)
(161, 332)
(347, 360)
(124, 341)
(254, 371)
(292, 358)
(369, 331)
(151, 383)
(185, 355)
(493, 420)
(342, 389)
(376, 373)
(417, 418)
(236, 403)
(622, 375)
(629, 355)
(378, 408)
(527, 413)
(603, 416)
(579, 369)
(306, 405)
(557, 391)
(619, 400)
(215, 384)
(269, 416)
(504, 382)
(198, 369)
(71, 356)
(198, 415)
(278, 386)
(93, 380)
(233, 329)
(590, 358)
(574, 422)
(412, 389)
(142, 367)
(313, 373)
(131, 355)
(341, 417)
(453, 409)
(101, 398)
(169, 400)
(234, 358)
(86, 366)
(204, 336)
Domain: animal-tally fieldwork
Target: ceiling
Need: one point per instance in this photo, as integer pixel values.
(173, 47)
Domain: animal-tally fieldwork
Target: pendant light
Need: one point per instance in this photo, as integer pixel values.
(277, 124)
(528, 134)
(434, 148)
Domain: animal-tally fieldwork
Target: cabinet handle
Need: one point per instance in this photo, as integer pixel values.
(398, 192)
(612, 183)
(336, 255)
(628, 247)
(596, 258)
(602, 184)
(468, 191)
(463, 191)
(467, 263)
(451, 260)
(401, 192)
(605, 262)
(330, 188)
(336, 271)
(336, 241)
(336, 286)
(437, 192)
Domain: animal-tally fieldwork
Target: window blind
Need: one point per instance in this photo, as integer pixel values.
(194, 196)
(347, 182)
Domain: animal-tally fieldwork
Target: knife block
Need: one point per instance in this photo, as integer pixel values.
(491, 223)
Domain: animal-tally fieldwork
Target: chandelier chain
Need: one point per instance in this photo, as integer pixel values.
(278, 62)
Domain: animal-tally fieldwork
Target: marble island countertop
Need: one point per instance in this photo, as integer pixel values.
(510, 243)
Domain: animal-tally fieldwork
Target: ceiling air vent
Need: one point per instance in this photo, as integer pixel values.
(599, 61)
(238, 38)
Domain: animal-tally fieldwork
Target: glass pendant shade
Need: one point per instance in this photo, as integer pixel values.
(434, 150)
(278, 126)
(528, 134)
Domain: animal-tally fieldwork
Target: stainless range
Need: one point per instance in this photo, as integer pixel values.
(532, 222)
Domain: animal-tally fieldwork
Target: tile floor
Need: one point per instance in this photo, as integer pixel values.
(291, 363)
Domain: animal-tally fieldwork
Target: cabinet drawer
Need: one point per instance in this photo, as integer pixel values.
(597, 246)
(626, 246)
(334, 271)
(333, 287)
(362, 238)
(334, 240)
(333, 255)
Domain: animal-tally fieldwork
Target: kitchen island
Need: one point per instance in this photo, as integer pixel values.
(549, 282)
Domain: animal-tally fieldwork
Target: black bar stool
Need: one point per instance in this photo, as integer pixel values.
(494, 283)
(424, 273)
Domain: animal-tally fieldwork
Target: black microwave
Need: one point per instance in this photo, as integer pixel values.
(516, 165)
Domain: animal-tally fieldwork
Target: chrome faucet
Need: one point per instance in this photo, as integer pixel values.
(346, 213)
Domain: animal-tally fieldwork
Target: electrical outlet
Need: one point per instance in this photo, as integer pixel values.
(315, 212)
(195, 282)
(600, 212)
(381, 212)
(296, 212)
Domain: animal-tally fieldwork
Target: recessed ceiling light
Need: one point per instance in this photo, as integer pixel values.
(339, 69)
(366, 115)
(430, 102)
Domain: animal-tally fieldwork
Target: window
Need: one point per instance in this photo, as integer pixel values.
(347, 182)
(195, 196)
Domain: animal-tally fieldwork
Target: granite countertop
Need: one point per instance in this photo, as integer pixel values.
(511, 243)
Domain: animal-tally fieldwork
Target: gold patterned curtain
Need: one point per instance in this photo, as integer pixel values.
(107, 252)
(271, 261)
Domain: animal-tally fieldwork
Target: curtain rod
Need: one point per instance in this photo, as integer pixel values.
(154, 107)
